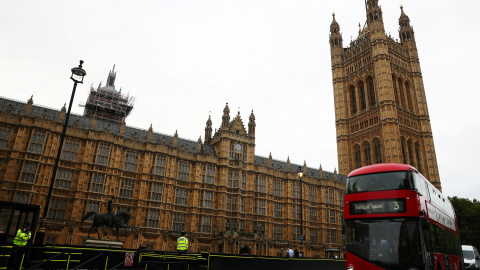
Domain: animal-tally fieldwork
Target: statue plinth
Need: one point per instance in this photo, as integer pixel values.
(103, 243)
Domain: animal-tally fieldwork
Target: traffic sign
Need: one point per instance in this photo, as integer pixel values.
(128, 259)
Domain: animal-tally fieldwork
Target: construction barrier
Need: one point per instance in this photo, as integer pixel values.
(80, 258)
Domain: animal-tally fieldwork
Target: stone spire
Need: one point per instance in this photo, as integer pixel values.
(406, 30)
(61, 117)
(208, 130)
(199, 145)
(149, 135)
(29, 106)
(251, 125)
(226, 117)
(175, 139)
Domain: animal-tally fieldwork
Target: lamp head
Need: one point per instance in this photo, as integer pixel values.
(300, 172)
(78, 73)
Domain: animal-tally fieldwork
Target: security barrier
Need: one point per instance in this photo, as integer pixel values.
(79, 257)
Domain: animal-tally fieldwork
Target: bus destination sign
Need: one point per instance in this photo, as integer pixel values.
(378, 206)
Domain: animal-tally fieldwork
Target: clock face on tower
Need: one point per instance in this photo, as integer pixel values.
(238, 147)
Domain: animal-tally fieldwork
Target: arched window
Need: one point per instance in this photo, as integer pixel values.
(378, 151)
(371, 91)
(409, 96)
(353, 100)
(368, 154)
(358, 156)
(410, 152)
(402, 141)
(417, 154)
(402, 93)
(363, 101)
(395, 90)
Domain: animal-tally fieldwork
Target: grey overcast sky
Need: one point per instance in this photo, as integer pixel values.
(183, 60)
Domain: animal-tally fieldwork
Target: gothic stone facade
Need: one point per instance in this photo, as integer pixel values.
(217, 191)
(381, 110)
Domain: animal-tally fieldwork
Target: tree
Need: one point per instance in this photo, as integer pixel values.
(468, 217)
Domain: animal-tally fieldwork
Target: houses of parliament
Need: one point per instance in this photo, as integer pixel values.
(217, 189)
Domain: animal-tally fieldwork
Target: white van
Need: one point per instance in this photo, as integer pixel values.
(471, 258)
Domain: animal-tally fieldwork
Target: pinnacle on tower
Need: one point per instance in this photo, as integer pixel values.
(107, 103)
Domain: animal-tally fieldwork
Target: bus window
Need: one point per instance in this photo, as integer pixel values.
(420, 184)
(378, 182)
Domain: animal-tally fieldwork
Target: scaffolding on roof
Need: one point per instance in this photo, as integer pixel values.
(107, 103)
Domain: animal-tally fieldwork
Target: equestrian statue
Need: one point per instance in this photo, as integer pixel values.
(119, 220)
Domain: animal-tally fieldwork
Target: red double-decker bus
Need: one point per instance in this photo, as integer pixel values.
(396, 219)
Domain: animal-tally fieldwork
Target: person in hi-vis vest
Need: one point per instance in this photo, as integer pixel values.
(23, 235)
(182, 243)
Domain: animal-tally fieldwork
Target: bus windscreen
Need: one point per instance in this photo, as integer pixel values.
(385, 241)
(378, 182)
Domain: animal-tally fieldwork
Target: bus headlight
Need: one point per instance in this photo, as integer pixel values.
(350, 267)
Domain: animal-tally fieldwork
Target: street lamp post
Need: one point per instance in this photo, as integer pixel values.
(77, 77)
(300, 176)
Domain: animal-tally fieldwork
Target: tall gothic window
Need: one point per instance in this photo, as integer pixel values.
(126, 188)
(277, 232)
(409, 96)
(363, 100)
(313, 236)
(402, 93)
(207, 199)
(233, 178)
(353, 100)
(277, 210)
(313, 214)
(410, 152)
(131, 161)
(378, 151)
(97, 183)
(312, 194)
(4, 136)
(70, 149)
(205, 224)
(417, 154)
(64, 179)
(296, 190)
(244, 180)
(261, 183)
(102, 154)
(158, 166)
(57, 208)
(208, 175)
(152, 219)
(29, 172)
(92, 206)
(278, 188)
(23, 197)
(232, 202)
(181, 196)
(403, 151)
(184, 170)
(368, 154)
(259, 207)
(178, 222)
(395, 90)
(358, 156)
(371, 89)
(37, 142)
(155, 192)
